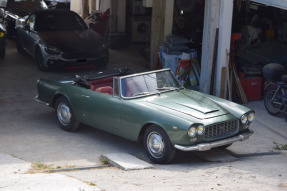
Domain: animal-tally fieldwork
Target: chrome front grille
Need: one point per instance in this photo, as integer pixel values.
(222, 129)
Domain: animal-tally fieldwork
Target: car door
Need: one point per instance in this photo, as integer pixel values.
(102, 110)
(28, 35)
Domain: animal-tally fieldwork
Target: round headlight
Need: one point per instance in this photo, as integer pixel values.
(251, 117)
(192, 132)
(244, 119)
(200, 129)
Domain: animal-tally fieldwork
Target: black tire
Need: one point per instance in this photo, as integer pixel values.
(2, 51)
(40, 60)
(162, 151)
(65, 115)
(272, 108)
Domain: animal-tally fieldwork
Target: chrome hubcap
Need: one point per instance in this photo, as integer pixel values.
(64, 114)
(155, 144)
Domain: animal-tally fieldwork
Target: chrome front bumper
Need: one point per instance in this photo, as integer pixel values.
(37, 99)
(208, 146)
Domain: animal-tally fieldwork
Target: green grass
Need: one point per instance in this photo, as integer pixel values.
(104, 160)
(279, 146)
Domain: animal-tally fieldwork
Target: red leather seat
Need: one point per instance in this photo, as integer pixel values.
(106, 90)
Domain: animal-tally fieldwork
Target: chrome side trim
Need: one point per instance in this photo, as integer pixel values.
(208, 146)
(39, 100)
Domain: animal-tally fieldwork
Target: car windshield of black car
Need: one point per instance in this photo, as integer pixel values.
(58, 22)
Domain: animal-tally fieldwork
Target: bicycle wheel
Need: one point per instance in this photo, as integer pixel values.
(272, 106)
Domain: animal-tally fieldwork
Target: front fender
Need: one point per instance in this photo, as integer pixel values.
(136, 117)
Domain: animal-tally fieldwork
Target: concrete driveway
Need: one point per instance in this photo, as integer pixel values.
(29, 132)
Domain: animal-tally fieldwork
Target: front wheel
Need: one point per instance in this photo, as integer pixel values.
(272, 106)
(65, 115)
(158, 146)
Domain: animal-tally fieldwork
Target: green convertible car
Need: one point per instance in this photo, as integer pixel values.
(151, 107)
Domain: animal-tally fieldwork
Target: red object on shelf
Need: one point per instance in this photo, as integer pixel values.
(252, 87)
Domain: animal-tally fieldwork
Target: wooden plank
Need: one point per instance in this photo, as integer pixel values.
(238, 85)
(222, 85)
(214, 63)
(157, 30)
(228, 77)
(225, 23)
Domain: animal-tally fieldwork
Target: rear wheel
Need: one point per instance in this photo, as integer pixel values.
(158, 146)
(272, 106)
(65, 115)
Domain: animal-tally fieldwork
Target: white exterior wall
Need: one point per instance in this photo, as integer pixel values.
(211, 22)
(224, 39)
(76, 6)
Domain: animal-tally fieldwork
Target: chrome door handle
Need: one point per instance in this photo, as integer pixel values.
(85, 96)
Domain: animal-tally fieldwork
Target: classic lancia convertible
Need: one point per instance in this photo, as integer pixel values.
(150, 107)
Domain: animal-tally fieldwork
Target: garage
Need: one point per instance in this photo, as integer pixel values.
(206, 41)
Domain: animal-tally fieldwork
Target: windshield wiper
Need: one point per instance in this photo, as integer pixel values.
(167, 88)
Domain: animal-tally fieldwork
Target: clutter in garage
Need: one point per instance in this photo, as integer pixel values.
(182, 50)
(259, 36)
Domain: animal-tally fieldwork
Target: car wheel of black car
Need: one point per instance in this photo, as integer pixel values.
(158, 146)
(65, 115)
(2, 51)
(40, 60)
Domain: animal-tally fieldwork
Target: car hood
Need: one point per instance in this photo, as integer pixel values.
(70, 41)
(191, 103)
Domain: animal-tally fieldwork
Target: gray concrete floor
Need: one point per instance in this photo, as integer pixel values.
(29, 132)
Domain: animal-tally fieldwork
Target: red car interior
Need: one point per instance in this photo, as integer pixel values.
(103, 85)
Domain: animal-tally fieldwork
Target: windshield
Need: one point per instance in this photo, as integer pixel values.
(148, 84)
(59, 21)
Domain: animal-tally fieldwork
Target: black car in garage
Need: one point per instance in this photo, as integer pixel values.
(61, 39)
